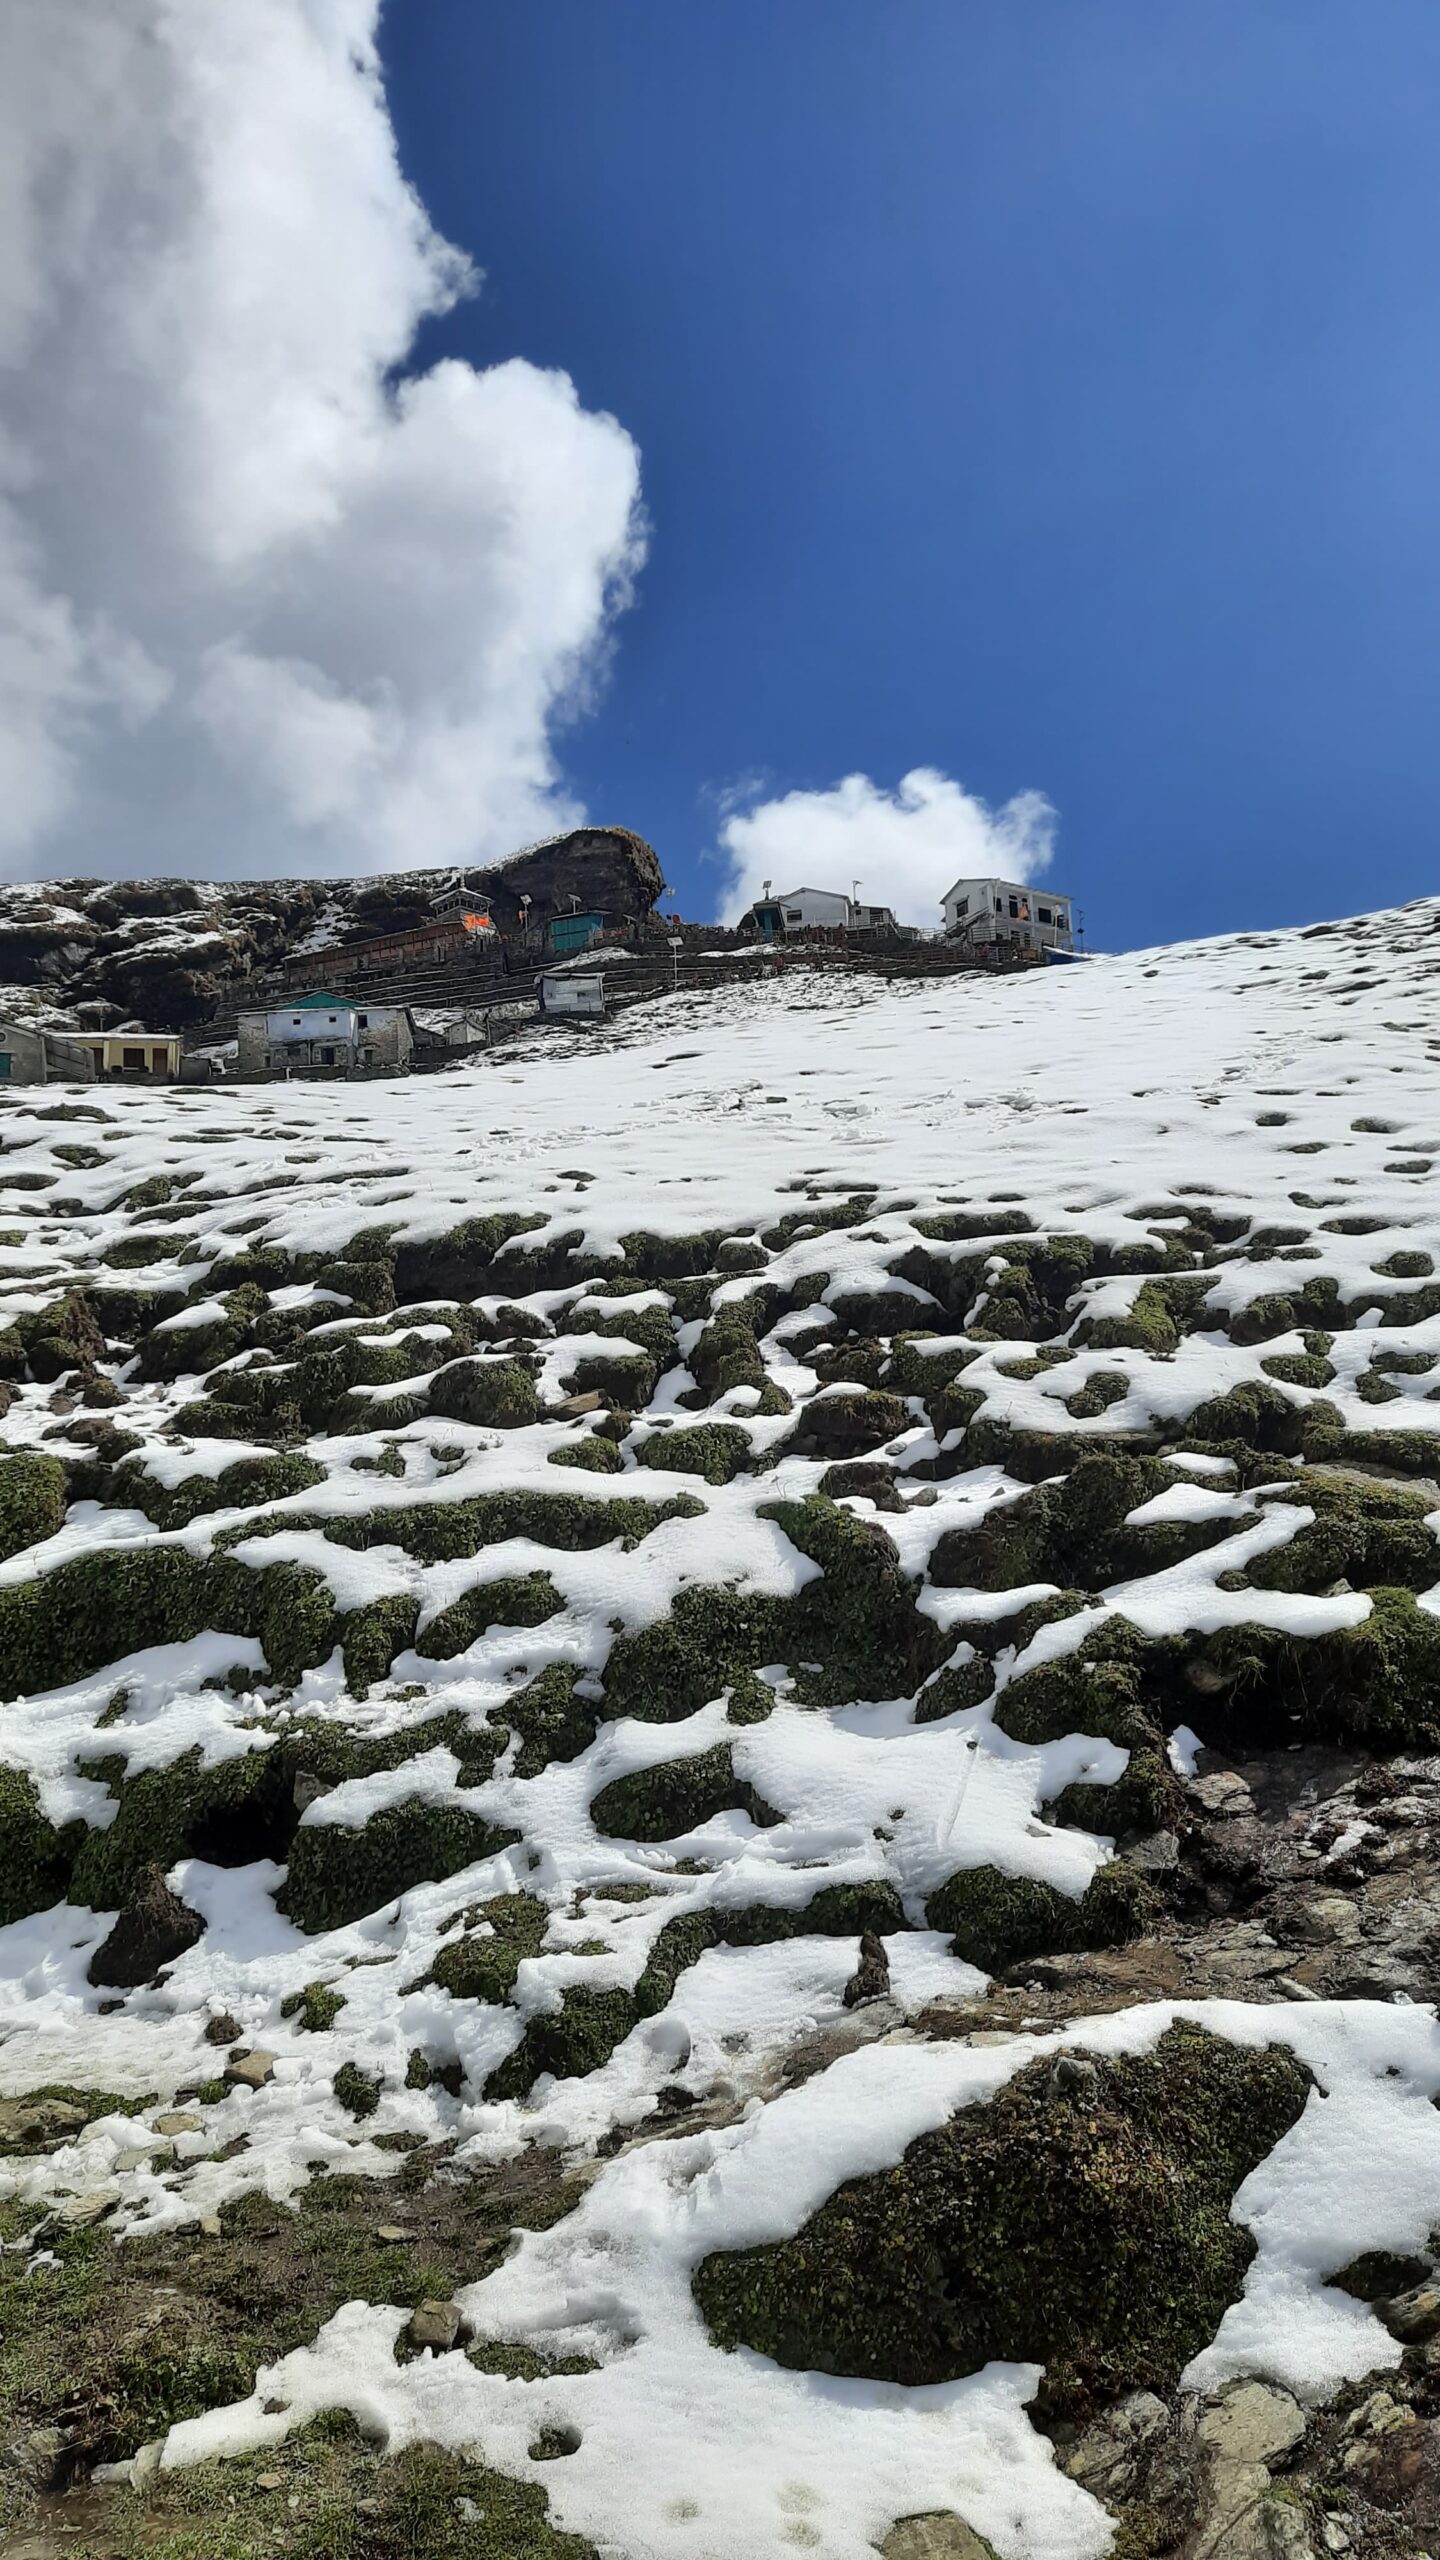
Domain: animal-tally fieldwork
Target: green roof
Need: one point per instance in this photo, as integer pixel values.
(331, 1003)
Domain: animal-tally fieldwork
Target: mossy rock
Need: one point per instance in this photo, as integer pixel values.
(598, 1457)
(848, 1421)
(33, 1500)
(1370, 1534)
(357, 2092)
(1087, 2233)
(36, 1856)
(496, 1393)
(267, 1477)
(726, 1355)
(437, 1531)
(501, 1934)
(515, 1600)
(548, 1721)
(1076, 1532)
(315, 2009)
(626, 1378)
(997, 1920)
(336, 1875)
(674, 1796)
(97, 1608)
(857, 1620)
(716, 1451)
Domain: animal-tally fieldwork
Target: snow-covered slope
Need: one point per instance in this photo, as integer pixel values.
(622, 1588)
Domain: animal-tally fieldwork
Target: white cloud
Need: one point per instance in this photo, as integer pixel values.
(260, 608)
(904, 846)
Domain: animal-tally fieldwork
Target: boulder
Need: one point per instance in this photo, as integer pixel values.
(152, 1930)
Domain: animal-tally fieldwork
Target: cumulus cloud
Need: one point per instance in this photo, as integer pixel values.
(267, 602)
(904, 846)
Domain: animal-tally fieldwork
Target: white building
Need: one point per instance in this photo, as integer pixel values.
(985, 912)
(567, 991)
(324, 1035)
(802, 910)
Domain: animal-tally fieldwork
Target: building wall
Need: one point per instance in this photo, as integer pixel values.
(985, 912)
(22, 1055)
(360, 1040)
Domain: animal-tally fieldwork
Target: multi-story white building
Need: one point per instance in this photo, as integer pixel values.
(989, 911)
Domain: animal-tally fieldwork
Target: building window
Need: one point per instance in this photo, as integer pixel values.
(131, 1058)
(1014, 906)
(364, 1021)
(1044, 915)
(327, 1057)
(963, 907)
(999, 907)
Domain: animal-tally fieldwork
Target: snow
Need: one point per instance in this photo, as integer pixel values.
(1224, 1078)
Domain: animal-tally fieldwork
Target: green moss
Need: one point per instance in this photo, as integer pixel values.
(624, 1378)
(857, 1620)
(1369, 1533)
(441, 1532)
(571, 2042)
(63, 1336)
(317, 2007)
(268, 1478)
(98, 1607)
(33, 1500)
(549, 1721)
(497, 1393)
(718, 1451)
(1090, 2235)
(36, 1858)
(336, 1876)
(514, 1600)
(1102, 1388)
(484, 1963)
(581, 2037)
(1153, 1323)
(674, 1796)
(357, 2093)
(996, 1920)
(727, 1355)
(599, 1457)
(1298, 1369)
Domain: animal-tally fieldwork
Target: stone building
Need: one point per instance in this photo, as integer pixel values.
(325, 1035)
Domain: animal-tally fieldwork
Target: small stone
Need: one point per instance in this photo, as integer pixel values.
(145, 2463)
(1328, 1918)
(1156, 1854)
(434, 2324)
(391, 2232)
(210, 2226)
(250, 2070)
(1072, 2075)
(269, 2480)
(222, 2030)
(78, 2212)
(573, 1407)
(369, 2506)
(1414, 2316)
(1374, 2415)
(871, 1977)
(1221, 1791)
(308, 1789)
(935, 2537)
(179, 2121)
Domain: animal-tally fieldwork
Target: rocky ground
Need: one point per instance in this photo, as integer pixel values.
(721, 1782)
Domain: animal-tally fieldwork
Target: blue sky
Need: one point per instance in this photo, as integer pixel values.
(1044, 393)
